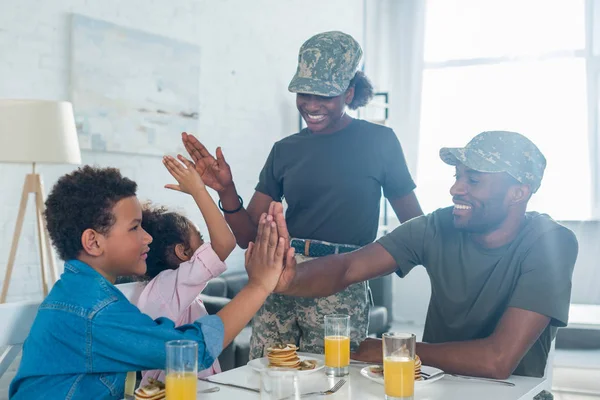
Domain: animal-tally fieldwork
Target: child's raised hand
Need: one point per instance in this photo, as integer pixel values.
(186, 175)
(265, 257)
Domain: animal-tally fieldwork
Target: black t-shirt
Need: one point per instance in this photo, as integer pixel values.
(332, 183)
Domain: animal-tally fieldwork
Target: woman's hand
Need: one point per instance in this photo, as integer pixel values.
(215, 172)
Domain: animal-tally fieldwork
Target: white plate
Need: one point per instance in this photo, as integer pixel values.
(259, 364)
(366, 372)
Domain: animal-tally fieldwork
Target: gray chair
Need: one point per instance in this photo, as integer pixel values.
(17, 319)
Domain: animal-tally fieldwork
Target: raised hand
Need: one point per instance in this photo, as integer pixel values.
(289, 272)
(185, 174)
(276, 211)
(264, 257)
(215, 172)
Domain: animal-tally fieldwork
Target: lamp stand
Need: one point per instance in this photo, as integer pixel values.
(33, 184)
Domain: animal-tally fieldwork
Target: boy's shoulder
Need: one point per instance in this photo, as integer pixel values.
(81, 291)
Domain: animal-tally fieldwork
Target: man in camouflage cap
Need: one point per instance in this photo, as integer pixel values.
(327, 63)
(508, 158)
(500, 276)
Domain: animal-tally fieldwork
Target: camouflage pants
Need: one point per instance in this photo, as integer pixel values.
(297, 320)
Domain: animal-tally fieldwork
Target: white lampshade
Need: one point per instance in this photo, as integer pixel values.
(38, 131)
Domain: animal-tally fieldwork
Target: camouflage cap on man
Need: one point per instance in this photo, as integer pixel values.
(501, 151)
(327, 63)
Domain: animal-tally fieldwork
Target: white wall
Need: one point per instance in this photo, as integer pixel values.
(248, 55)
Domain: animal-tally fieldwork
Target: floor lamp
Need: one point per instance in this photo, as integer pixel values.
(34, 132)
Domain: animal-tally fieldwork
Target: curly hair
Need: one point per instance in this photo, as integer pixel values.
(363, 90)
(82, 200)
(167, 229)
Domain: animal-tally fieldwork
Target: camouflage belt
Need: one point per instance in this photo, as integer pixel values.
(318, 248)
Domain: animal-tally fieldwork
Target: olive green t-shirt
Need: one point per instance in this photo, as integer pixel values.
(332, 183)
(472, 286)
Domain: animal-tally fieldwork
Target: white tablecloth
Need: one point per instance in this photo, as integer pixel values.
(360, 388)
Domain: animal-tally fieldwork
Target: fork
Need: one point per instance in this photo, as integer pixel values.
(334, 389)
(426, 376)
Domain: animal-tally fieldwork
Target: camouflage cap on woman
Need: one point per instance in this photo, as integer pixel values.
(327, 63)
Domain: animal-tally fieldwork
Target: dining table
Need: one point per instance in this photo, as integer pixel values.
(359, 387)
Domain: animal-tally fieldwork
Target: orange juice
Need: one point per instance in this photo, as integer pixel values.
(399, 376)
(337, 351)
(181, 386)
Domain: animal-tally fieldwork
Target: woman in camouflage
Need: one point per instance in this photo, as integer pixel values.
(331, 175)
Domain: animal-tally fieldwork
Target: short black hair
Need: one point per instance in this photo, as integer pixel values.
(363, 90)
(82, 200)
(167, 229)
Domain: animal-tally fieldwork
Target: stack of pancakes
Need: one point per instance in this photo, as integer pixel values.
(284, 356)
(418, 377)
(418, 363)
(154, 390)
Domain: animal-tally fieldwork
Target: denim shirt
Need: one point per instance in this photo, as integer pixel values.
(87, 336)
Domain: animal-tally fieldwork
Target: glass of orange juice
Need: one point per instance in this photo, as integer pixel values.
(337, 344)
(399, 365)
(182, 370)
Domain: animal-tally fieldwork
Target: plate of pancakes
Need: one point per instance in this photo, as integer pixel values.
(286, 356)
(375, 373)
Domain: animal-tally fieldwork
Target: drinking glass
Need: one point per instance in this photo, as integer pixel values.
(337, 344)
(182, 370)
(279, 383)
(399, 365)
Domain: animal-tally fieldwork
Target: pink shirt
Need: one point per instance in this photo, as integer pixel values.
(174, 294)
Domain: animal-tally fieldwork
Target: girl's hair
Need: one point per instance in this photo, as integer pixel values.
(167, 229)
(363, 90)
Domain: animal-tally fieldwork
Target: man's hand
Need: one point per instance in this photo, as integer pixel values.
(215, 172)
(188, 178)
(289, 272)
(276, 211)
(264, 259)
(369, 351)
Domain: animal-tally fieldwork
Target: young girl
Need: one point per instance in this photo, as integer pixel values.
(180, 263)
